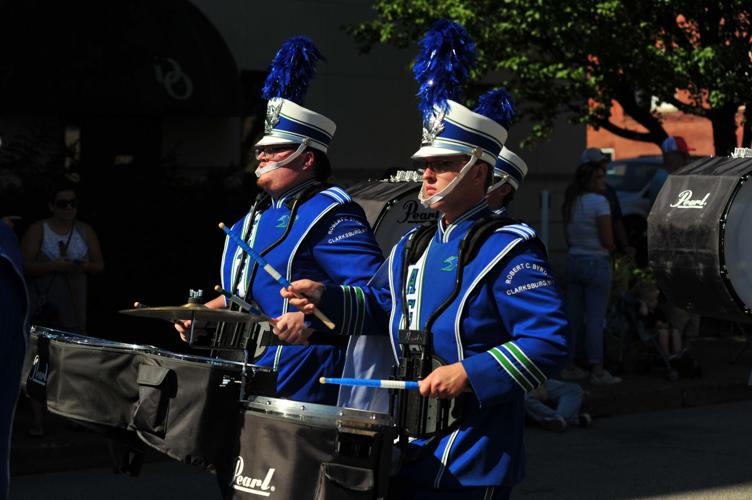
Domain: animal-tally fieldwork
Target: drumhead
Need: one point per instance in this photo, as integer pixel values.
(737, 243)
(76, 338)
(314, 414)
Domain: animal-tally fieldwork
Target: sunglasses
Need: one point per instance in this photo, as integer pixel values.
(441, 166)
(271, 151)
(66, 203)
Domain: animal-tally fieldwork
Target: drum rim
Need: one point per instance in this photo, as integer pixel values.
(313, 412)
(84, 340)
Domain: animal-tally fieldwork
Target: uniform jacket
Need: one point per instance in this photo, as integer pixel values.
(330, 241)
(506, 326)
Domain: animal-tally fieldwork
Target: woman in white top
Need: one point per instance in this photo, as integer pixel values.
(589, 233)
(58, 254)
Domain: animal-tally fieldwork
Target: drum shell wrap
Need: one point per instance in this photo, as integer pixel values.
(687, 237)
(287, 459)
(184, 410)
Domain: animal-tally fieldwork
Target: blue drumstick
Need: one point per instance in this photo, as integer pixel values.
(367, 382)
(269, 269)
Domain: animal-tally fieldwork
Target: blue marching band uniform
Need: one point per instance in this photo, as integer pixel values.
(328, 239)
(506, 327)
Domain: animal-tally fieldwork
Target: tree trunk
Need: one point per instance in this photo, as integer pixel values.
(747, 126)
(724, 128)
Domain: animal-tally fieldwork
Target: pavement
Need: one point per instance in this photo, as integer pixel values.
(725, 361)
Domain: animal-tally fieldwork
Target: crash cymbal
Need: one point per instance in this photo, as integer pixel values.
(189, 311)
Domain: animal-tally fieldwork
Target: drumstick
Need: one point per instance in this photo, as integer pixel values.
(401, 385)
(272, 272)
(242, 303)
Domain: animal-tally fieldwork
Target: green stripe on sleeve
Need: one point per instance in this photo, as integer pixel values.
(511, 369)
(525, 361)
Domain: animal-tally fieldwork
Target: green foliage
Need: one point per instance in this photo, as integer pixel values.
(627, 274)
(573, 58)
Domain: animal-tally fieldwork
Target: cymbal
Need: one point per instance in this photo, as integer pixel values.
(190, 311)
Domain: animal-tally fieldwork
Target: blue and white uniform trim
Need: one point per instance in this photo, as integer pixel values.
(446, 233)
(466, 139)
(292, 192)
(505, 167)
(296, 131)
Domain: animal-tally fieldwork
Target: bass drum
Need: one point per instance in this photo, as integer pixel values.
(699, 241)
(392, 208)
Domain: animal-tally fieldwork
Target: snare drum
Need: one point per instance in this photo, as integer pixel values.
(85, 378)
(182, 405)
(301, 450)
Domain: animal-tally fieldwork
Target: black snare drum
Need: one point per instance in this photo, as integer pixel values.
(293, 450)
(182, 405)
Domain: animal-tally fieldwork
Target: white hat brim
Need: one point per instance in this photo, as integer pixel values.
(430, 151)
(270, 140)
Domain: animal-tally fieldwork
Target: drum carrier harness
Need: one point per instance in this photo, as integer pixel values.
(417, 416)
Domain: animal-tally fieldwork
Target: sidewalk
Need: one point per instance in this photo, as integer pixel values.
(67, 446)
(725, 378)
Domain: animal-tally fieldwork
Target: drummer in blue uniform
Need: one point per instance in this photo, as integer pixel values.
(302, 226)
(500, 336)
(508, 173)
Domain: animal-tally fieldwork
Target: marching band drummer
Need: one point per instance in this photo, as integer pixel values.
(302, 226)
(508, 173)
(502, 333)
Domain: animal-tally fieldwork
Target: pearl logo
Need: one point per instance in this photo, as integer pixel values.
(248, 484)
(684, 200)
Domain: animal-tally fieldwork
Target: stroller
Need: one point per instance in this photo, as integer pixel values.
(628, 339)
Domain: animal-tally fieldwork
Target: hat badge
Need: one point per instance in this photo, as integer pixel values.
(433, 126)
(273, 108)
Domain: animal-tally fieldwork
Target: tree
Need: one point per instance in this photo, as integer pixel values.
(576, 58)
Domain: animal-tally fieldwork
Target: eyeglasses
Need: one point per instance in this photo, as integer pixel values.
(62, 204)
(271, 151)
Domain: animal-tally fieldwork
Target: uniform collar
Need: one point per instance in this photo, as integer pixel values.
(475, 212)
(292, 192)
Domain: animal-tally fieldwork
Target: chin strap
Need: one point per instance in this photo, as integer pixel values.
(427, 202)
(502, 180)
(279, 164)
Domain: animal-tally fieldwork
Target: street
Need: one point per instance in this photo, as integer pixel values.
(701, 452)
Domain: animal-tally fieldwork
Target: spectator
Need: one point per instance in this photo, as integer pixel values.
(589, 234)
(556, 405)
(652, 314)
(675, 155)
(595, 155)
(58, 254)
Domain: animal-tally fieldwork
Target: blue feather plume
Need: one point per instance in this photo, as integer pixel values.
(447, 55)
(497, 105)
(292, 70)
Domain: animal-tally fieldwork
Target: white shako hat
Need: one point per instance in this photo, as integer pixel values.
(287, 121)
(511, 166)
(461, 131)
(290, 123)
